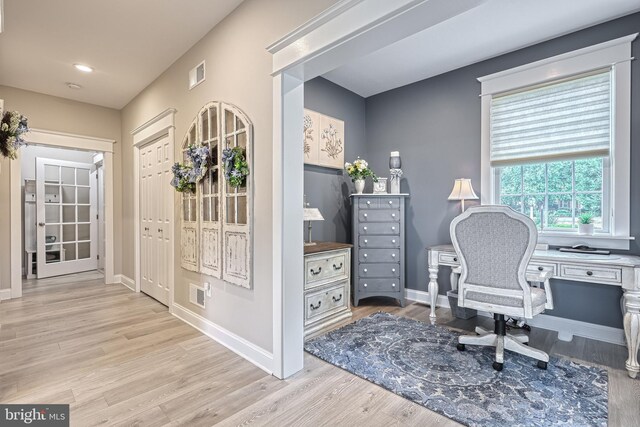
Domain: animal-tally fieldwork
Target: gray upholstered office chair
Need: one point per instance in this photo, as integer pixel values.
(495, 245)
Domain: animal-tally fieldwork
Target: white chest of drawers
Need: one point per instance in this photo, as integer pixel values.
(327, 286)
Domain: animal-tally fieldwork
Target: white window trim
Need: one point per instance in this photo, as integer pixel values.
(614, 53)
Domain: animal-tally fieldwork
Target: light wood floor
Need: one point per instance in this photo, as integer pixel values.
(119, 358)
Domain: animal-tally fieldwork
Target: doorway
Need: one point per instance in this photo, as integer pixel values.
(60, 205)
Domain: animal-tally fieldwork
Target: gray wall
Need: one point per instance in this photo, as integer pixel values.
(329, 189)
(435, 124)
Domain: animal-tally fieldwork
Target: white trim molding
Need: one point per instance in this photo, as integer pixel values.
(243, 348)
(614, 54)
(69, 140)
(126, 281)
(566, 328)
(5, 294)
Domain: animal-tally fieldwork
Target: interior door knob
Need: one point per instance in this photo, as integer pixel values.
(41, 224)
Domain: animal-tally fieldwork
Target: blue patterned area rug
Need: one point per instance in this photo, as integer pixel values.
(420, 362)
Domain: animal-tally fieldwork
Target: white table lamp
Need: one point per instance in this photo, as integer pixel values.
(463, 190)
(311, 214)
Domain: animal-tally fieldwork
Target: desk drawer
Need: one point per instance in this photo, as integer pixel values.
(540, 266)
(388, 228)
(379, 255)
(591, 274)
(379, 270)
(325, 267)
(379, 285)
(379, 242)
(326, 301)
(448, 258)
(380, 215)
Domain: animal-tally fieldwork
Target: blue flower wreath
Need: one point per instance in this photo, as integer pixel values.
(236, 167)
(187, 175)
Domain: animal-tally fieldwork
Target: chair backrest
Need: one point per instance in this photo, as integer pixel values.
(495, 245)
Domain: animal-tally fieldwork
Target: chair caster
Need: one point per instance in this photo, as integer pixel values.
(461, 347)
(497, 366)
(542, 365)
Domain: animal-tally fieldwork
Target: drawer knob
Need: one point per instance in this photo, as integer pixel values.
(540, 268)
(393, 270)
(390, 202)
(589, 273)
(455, 259)
(336, 299)
(393, 229)
(365, 228)
(393, 255)
(366, 241)
(365, 285)
(368, 202)
(393, 240)
(365, 270)
(315, 307)
(365, 215)
(365, 255)
(316, 272)
(337, 267)
(393, 215)
(393, 285)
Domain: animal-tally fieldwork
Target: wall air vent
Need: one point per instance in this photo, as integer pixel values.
(196, 295)
(196, 75)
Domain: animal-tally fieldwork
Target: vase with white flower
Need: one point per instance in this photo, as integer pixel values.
(359, 171)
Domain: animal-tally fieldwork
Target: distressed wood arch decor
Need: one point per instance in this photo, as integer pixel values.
(216, 236)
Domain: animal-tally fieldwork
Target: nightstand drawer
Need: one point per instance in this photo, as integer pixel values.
(379, 285)
(326, 301)
(389, 228)
(379, 241)
(604, 274)
(379, 255)
(542, 266)
(379, 270)
(389, 202)
(380, 215)
(448, 258)
(368, 203)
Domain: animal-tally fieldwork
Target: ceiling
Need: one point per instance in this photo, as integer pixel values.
(129, 43)
(491, 29)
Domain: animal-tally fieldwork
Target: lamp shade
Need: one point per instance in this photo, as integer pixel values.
(462, 190)
(312, 214)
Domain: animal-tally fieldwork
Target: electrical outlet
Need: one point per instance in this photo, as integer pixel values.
(207, 288)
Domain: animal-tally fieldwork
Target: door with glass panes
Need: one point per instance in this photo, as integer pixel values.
(66, 212)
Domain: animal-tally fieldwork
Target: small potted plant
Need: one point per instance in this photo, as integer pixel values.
(585, 224)
(359, 171)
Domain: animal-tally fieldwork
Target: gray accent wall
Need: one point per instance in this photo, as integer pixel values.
(435, 124)
(329, 189)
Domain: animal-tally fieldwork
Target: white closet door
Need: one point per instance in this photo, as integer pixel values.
(67, 231)
(155, 224)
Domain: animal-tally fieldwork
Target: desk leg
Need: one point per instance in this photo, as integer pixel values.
(632, 330)
(433, 284)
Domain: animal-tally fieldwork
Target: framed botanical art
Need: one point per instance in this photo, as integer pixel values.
(323, 140)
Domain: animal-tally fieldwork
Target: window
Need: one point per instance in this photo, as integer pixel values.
(555, 142)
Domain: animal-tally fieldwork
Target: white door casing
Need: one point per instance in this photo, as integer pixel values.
(155, 221)
(66, 199)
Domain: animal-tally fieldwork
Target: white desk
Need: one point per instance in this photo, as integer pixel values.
(614, 270)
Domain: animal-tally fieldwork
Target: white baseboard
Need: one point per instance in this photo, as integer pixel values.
(566, 328)
(243, 348)
(5, 294)
(124, 280)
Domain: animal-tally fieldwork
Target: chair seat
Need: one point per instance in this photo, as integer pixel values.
(538, 298)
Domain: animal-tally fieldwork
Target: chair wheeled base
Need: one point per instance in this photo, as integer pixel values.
(502, 341)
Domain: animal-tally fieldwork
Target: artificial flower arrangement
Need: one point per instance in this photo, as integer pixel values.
(359, 170)
(235, 165)
(13, 126)
(187, 175)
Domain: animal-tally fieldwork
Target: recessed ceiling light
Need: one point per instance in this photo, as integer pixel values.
(73, 86)
(83, 68)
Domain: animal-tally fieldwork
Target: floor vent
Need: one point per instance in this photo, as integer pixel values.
(196, 75)
(196, 295)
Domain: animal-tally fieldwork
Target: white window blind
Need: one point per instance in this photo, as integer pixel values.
(563, 120)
